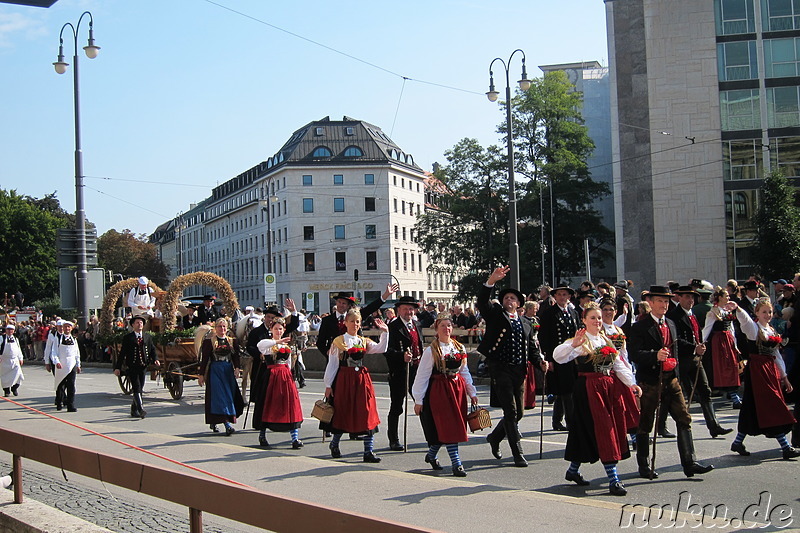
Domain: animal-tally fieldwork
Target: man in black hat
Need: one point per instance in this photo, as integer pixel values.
(508, 345)
(624, 303)
(691, 349)
(207, 313)
(559, 322)
(402, 355)
(137, 352)
(427, 317)
(748, 302)
(332, 325)
(653, 347)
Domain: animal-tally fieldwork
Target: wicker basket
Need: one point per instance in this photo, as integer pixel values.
(322, 411)
(479, 419)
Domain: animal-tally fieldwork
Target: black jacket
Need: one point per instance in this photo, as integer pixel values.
(644, 342)
(498, 326)
(399, 342)
(127, 352)
(683, 326)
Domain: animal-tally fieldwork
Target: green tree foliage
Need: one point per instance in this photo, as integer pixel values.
(777, 240)
(131, 255)
(28, 242)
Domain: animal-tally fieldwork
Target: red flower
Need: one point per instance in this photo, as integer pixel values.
(668, 364)
(607, 350)
(777, 339)
(356, 350)
(282, 350)
(617, 337)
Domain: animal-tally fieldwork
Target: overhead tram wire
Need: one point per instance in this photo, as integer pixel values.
(345, 54)
(138, 206)
(108, 178)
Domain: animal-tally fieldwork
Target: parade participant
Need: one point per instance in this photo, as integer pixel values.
(622, 298)
(53, 338)
(11, 361)
(66, 358)
(207, 312)
(219, 369)
(441, 387)
(333, 325)
(259, 373)
(137, 352)
(750, 298)
(507, 345)
(690, 358)
(764, 411)
(559, 322)
(598, 430)
(282, 411)
(719, 333)
(531, 308)
(612, 330)
(653, 348)
(141, 299)
(402, 355)
(348, 386)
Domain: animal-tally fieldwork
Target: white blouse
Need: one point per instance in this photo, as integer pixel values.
(349, 341)
(751, 329)
(564, 353)
(425, 370)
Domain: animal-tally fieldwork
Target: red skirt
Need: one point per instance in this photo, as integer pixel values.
(608, 415)
(771, 409)
(447, 402)
(629, 403)
(354, 406)
(281, 402)
(725, 363)
(530, 387)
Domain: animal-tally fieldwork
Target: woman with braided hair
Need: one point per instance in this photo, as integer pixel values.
(440, 392)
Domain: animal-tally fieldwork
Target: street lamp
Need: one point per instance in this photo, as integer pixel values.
(492, 94)
(60, 65)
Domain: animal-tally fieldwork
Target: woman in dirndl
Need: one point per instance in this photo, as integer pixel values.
(614, 333)
(282, 410)
(348, 386)
(440, 392)
(598, 430)
(764, 411)
(719, 334)
(219, 370)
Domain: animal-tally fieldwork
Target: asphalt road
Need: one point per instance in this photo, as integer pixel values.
(762, 488)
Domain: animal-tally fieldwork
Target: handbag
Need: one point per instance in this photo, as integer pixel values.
(478, 418)
(322, 411)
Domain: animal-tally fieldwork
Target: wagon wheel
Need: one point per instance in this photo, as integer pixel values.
(173, 379)
(124, 383)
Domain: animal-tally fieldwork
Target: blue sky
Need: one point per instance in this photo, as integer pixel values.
(186, 94)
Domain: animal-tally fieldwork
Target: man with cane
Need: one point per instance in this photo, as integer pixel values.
(690, 358)
(653, 347)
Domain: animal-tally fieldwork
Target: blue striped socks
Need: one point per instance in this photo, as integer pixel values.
(611, 472)
(369, 443)
(452, 451)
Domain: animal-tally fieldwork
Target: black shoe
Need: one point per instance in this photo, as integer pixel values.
(644, 473)
(458, 471)
(263, 442)
(142, 413)
(14, 390)
(558, 426)
(72, 409)
(134, 413)
(335, 452)
(550, 399)
(370, 457)
(790, 453)
(520, 462)
(736, 405)
(229, 431)
(577, 478)
(214, 428)
(739, 448)
(719, 430)
(697, 468)
(617, 489)
(495, 447)
(434, 462)
(301, 385)
(328, 434)
(58, 407)
(665, 434)
(395, 446)
(297, 444)
(6, 393)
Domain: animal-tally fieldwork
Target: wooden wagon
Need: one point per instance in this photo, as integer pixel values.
(179, 363)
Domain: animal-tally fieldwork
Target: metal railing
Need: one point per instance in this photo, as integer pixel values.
(200, 494)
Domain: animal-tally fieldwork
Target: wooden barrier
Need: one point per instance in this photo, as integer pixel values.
(200, 494)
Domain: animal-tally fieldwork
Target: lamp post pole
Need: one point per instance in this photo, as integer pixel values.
(80, 214)
(492, 94)
(266, 206)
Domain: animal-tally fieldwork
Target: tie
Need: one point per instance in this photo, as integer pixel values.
(665, 335)
(415, 353)
(342, 326)
(695, 328)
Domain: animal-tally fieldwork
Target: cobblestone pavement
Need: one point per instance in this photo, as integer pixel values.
(102, 509)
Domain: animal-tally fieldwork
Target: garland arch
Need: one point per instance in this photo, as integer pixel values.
(110, 302)
(176, 288)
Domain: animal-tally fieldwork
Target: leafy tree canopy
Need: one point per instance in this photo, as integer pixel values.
(777, 240)
(131, 255)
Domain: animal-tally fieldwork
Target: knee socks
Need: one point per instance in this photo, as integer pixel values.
(452, 451)
(369, 443)
(739, 438)
(295, 433)
(574, 466)
(433, 450)
(611, 472)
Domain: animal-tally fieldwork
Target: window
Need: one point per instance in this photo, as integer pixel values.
(394, 180)
(372, 260)
(734, 16)
(405, 261)
(309, 261)
(308, 233)
(395, 205)
(338, 231)
(341, 261)
(353, 151)
(308, 180)
(404, 233)
(781, 57)
(338, 205)
(369, 179)
(403, 207)
(319, 131)
(396, 233)
(396, 260)
(739, 110)
(321, 152)
(308, 205)
(349, 131)
(420, 262)
(780, 15)
(741, 159)
(370, 231)
(737, 61)
(338, 179)
(785, 154)
(369, 204)
(783, 107)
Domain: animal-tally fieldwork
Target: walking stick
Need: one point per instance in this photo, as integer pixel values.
(541, 412)
(694, 385)
(655, 422)
(405, 409)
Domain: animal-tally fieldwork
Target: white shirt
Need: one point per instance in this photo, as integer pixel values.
(425, 369)
(349, 341)
(751, 329)
(145, 300)
(564, 353)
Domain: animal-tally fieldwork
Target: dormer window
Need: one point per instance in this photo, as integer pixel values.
(349, 130)
(319, 131)
(321, 151)
(353, 151)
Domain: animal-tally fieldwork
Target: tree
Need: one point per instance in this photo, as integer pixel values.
(131, 255)
(777, 240)
(28, 242)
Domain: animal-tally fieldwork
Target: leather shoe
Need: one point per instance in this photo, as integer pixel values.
(458, 471)
(617, 489)
(665, 434)
(645, 473)
(719, 430)
(739, 448)
(229, 431)
(263, 442)
(71, 409)
(519, 461)
(577, 478)
(697, 468)
(495, 447)
(142, 413)
(434, 462)
(558, 426)
(736, 405)
(395, 446)
(335, 452)
(214, 428)
(297, 444)
(790, 453)
(370, 457)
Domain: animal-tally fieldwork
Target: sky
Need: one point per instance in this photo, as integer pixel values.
(186, 94)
